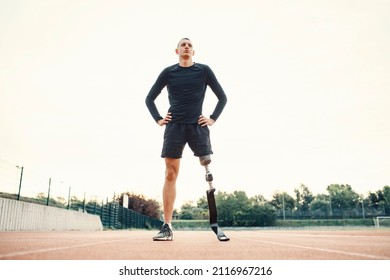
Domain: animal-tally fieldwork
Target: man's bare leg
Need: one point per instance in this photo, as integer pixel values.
(169, 190)
(169, 195)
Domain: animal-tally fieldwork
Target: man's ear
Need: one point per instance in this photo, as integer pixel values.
(176, 51)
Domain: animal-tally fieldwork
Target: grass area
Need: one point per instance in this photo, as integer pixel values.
(200, 224)
(190, 224)
(325, 222)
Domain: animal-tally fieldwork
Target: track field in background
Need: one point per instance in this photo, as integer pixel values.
(339, 244)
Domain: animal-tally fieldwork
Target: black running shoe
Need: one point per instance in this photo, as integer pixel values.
(165, 234)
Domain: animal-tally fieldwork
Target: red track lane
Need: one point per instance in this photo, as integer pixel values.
(371, 244)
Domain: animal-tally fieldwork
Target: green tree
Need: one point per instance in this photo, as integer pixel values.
(140, 204)
(262, 215)
(303, 198)
(202, 203)
(320, 206)
(187, 211)
(258, 200)
(231, 207)
(283, 203)
(186, 215)
(237, 209)
(343, 200)
(261, 212)
(386, 199)
(374, 199)
(342, 196)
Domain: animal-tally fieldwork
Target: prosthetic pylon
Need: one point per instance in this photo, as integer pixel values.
(205, 161)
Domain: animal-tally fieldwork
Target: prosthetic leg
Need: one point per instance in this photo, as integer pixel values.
(205, 161)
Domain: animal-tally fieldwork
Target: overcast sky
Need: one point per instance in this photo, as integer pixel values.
(307, 83)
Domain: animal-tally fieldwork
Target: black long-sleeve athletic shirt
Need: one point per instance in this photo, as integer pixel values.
(186, 92)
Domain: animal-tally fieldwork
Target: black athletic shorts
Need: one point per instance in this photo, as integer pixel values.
(177, 135)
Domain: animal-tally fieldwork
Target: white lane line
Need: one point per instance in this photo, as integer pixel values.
(2, 256)
(349, 236)
(318, 249)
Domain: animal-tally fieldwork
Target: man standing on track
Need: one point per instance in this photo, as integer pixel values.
(184, 122)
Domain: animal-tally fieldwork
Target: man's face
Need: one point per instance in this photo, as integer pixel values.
(184, 49)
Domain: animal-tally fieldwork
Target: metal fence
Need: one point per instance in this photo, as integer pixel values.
(114, 216)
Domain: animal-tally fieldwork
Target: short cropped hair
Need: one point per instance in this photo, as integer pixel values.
(182, 40)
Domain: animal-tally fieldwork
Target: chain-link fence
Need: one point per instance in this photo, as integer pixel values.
(114, 216)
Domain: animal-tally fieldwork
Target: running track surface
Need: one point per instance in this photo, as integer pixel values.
(367, 244)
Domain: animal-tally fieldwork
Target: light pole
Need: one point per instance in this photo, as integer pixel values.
(69, 198)
(20, 181)
(364, 215)
(48, 193)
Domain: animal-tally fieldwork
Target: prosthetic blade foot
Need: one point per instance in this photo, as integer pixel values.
(213, 216)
